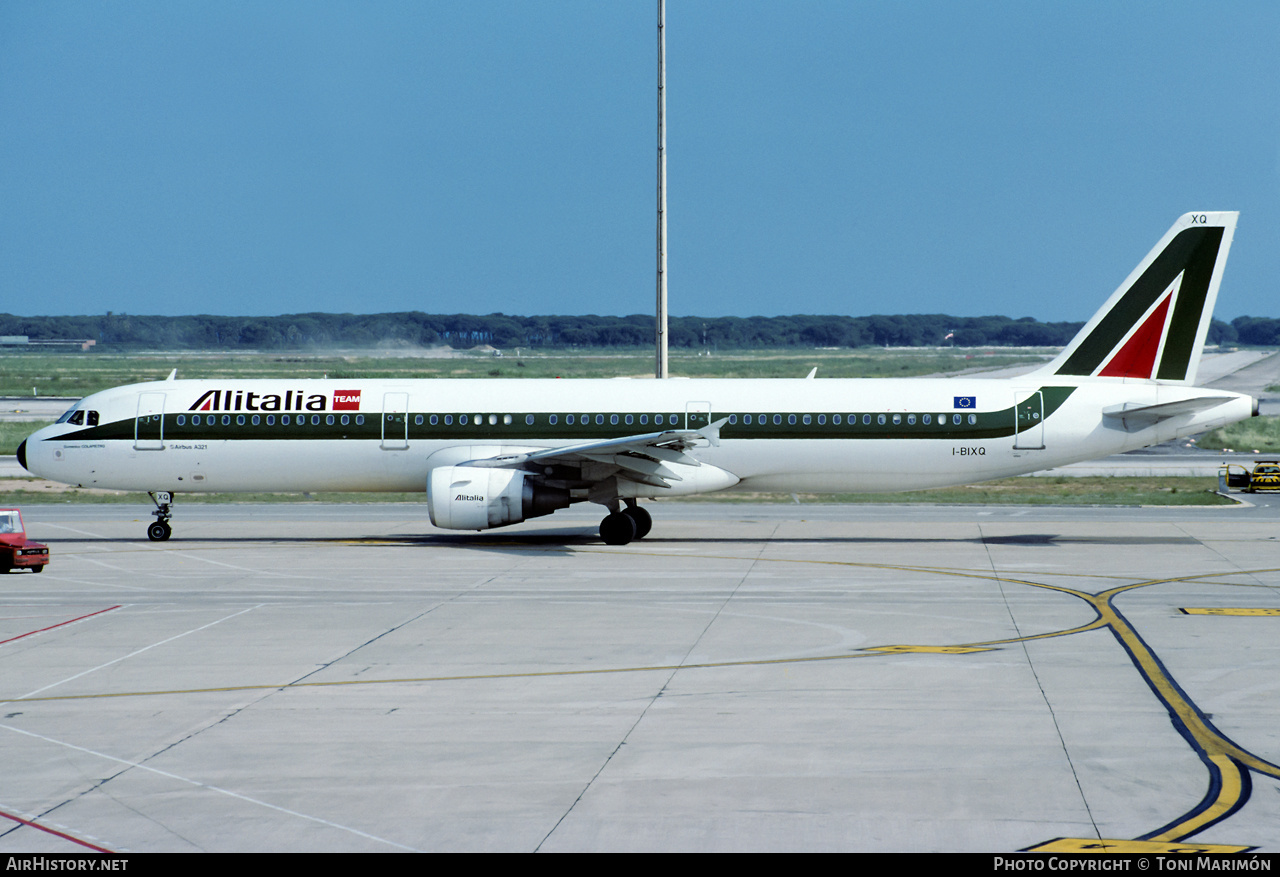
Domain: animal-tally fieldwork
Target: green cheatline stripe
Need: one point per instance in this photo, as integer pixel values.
(988, 424)
(1194, 251)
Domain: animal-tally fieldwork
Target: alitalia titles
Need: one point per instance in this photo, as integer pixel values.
(290, 400)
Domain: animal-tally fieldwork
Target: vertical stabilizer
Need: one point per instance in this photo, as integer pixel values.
(1154, 326)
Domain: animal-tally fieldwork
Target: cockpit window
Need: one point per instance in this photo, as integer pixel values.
(77, 416)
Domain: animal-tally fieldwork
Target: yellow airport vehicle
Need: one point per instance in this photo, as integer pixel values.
(1264, 476)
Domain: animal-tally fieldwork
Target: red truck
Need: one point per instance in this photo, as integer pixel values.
(16, 550)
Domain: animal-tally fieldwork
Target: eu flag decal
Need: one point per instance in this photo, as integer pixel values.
(966, 401)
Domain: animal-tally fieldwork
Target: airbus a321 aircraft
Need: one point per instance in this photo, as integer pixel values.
(494, 452)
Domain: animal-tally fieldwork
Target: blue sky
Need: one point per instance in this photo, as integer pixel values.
(824, 157)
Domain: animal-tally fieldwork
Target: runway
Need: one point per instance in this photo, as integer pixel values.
(785, 677)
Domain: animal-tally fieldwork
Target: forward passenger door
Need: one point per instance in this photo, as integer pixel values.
(148, 424)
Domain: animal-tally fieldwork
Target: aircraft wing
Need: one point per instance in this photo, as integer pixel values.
(643, 457)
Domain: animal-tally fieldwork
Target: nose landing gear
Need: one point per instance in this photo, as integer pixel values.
(159, 530)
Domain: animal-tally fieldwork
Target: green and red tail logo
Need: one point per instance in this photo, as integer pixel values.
(1153, 327)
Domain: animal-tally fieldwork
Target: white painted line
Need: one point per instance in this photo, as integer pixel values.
(74, 530)
(200, 785)
(132, 654)
(247, 569)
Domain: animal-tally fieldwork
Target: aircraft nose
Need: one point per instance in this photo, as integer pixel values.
(22, 454)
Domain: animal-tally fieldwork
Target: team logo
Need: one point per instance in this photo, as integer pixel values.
(346, 400)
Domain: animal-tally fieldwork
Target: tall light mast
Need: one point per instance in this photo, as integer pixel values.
(660, 324)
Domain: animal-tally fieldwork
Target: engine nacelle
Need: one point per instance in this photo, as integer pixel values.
(478, 498)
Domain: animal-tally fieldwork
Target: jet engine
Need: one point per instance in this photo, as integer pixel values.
(478, 498)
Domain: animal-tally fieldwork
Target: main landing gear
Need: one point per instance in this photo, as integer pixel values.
(159, 530)
(621, 526)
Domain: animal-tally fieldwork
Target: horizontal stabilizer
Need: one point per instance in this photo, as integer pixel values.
(1145, 415)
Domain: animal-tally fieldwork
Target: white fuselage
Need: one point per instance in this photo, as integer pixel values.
(145, 437)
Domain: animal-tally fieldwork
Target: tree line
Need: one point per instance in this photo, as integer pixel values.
(300, 331)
